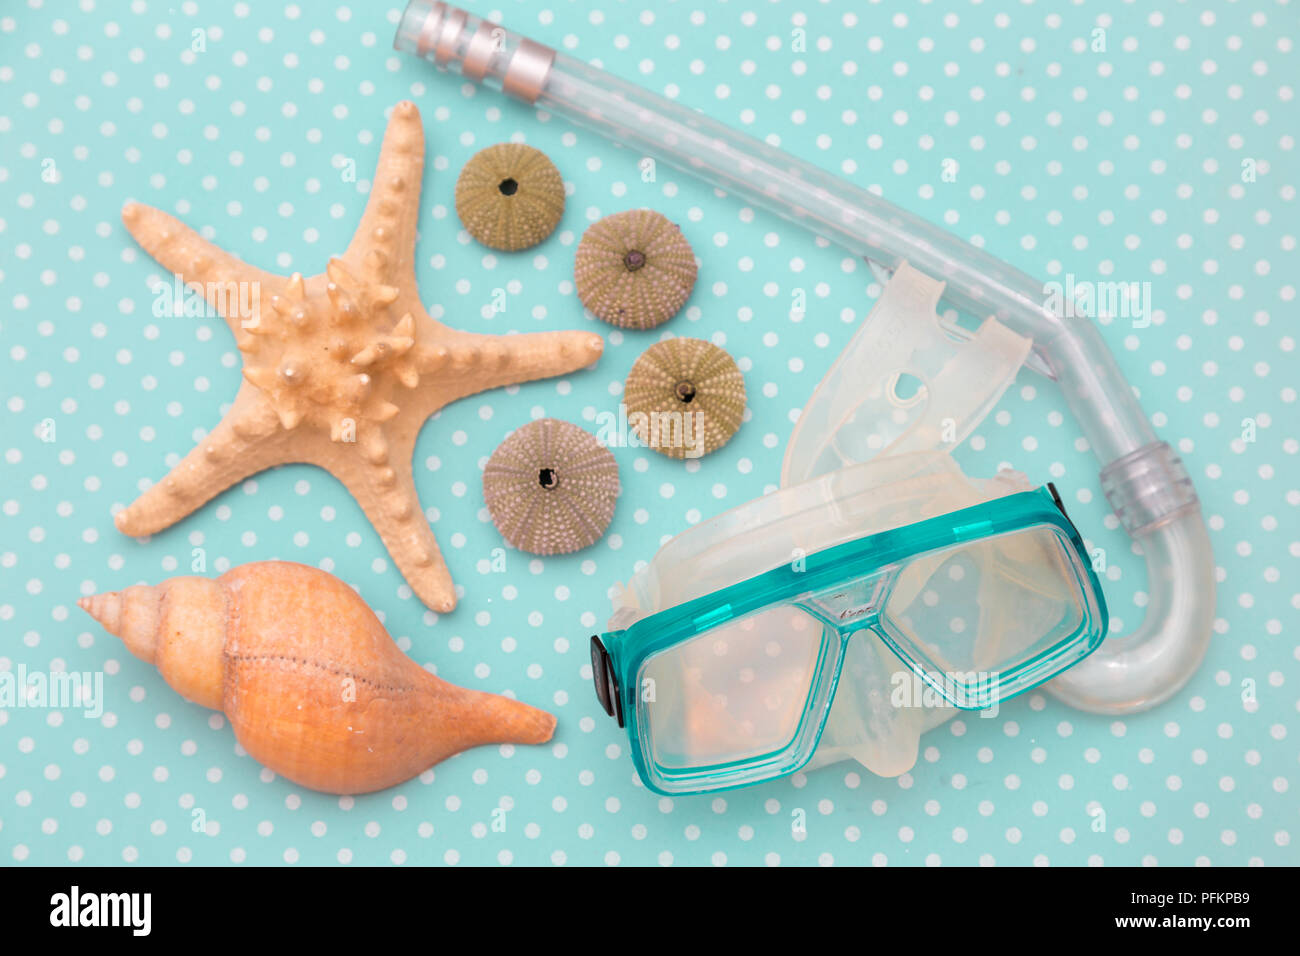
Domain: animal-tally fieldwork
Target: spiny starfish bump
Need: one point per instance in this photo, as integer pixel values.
(343, 368)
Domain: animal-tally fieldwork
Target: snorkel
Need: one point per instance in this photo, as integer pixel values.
(1143, 479)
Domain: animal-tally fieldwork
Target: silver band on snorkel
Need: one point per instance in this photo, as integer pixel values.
(1144, 481)
(480, 50)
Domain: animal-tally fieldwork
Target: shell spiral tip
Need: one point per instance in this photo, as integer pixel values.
(105, 608)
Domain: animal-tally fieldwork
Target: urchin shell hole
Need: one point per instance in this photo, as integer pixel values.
(685, 392)
(548, 478)
(634, 259)
(508, 186)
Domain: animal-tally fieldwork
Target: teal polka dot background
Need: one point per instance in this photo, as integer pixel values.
(1148, 142)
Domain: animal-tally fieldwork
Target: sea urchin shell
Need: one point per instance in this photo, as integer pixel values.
(550, 487)
(634, 269)
(510, 196)
(684, 397)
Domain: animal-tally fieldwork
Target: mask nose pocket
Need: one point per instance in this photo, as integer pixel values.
(865, 724)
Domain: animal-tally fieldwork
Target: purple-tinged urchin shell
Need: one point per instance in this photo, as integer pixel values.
(510, 196)
(684, 397)
(550, 487)
(634, 269)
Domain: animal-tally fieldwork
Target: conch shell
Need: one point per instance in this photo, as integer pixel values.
(314, 687)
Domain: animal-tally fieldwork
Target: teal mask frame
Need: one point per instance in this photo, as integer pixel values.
(618, 656)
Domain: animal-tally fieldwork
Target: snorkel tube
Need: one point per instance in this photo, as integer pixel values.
(1143, 479)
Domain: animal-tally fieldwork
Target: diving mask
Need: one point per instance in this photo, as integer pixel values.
(790, 631)
(735, 684)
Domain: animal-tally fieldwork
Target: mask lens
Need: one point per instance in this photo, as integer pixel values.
(990, 618)
(734, 693)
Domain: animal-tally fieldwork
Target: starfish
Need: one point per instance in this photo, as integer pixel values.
(343, 368)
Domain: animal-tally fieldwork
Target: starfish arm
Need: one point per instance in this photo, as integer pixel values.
(230, 285)
(386, 493)
(243, 443)
(383, 247)
(475, 363)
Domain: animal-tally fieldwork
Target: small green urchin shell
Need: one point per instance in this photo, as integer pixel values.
(510, 196)
(634, 269)
(550, 487)
(684, 397)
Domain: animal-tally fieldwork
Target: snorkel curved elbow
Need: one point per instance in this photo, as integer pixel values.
(1152, 495)
(1154, 499)
(1143, 479)
(1146, 668)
